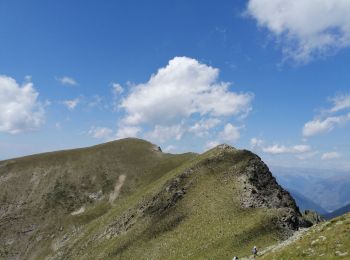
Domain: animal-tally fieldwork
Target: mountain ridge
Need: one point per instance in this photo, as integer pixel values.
(59, 204)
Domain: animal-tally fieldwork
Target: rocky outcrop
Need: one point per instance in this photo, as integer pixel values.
(261, 190)
(313, 217)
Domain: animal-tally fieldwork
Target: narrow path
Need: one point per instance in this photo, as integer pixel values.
(296, 236)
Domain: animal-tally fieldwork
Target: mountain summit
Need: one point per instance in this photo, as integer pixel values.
(128, 199)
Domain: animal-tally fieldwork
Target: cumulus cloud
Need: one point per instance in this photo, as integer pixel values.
(307, 155)
(281, 149)
(210, 144)
(230, 133)
(68, 81)
(318, 126)
(71, 104)
(202, 127)
(127, 131)
(301, 148)
(184, 97)
(100, 132)
(276, 149)
(335, 116)
(306, 29)
(169, 148)
(117, 88)
(183, 88)
(340, 102)
(256, 142)
(20, 110)
(330, 155)
(97, 102)
(164, 133)
(117, 91)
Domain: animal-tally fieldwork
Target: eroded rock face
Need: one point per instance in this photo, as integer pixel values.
(312, 216)
(261, 190)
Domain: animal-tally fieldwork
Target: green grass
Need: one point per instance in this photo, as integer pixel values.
(47, 187)
(327, 240)
(207, 222)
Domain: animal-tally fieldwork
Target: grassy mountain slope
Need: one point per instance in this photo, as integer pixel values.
(127, 200)
(328, 240)
(38, 193)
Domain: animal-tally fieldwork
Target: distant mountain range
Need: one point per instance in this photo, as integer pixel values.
(329, 189)
(337, 212)
(305, 203)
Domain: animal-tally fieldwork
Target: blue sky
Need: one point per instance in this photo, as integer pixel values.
(270, 76)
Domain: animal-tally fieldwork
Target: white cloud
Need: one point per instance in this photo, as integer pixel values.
(169, 148)
(164, 133)
(127, 131)
(96, 102)
(329, 118)
(28, 78)
(202, 127)
(256, 142)
(281, 149)
(71, 104)
(301, 148)
(330, 155)
(100, 132)
(211, 144)
(307, 155)
(230, 133)
(184, 97)
(20, 110)
(68, 81)
(276, 149)
(117, 88)
(340, 102)
(306, 28)
(183, 88)
(318, 126)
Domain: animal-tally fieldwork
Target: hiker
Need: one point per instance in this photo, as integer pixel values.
(255, 251)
